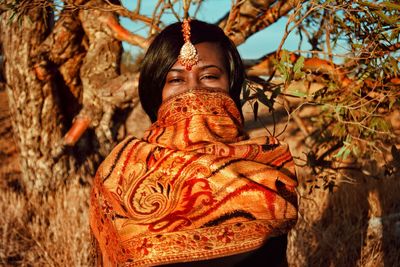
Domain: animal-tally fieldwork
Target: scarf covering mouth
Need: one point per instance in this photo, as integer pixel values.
(194, 188)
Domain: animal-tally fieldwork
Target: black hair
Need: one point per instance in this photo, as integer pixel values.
(163, 53)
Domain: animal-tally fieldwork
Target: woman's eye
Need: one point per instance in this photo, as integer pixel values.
(175, 80)
(210, 77)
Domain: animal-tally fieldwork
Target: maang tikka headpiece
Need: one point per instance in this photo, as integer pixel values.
(188, 56)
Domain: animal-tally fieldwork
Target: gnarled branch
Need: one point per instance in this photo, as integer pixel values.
(255, 16)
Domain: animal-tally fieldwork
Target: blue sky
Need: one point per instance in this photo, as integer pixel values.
(256, 46)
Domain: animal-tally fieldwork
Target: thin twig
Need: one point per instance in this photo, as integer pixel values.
(171, 6)
(328, 37)
(199, 2)
(155, 19)
(290, 20)
(137, 9)
(186, 6)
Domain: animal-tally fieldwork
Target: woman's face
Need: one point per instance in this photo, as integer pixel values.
(210, 71)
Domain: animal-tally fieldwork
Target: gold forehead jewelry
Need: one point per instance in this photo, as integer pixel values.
(188, 56)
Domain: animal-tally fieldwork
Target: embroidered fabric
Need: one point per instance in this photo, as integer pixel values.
(194, 188)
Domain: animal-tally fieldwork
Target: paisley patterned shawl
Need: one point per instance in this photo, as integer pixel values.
(193, 188)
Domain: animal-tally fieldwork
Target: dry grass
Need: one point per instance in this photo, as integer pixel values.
(334, 228)
(51, 231)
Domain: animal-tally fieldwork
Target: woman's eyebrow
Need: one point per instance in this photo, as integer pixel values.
(176, 69)
(203, 67)
(210, 66)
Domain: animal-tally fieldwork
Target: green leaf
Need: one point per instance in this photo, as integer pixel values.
(343, 153)
(284, 66)
(370, 5)
(282, 70)
(385, 18)
(264, 99)
(285, 56)
(246, 93)
(357, 46)
(364, 76)
(345, 150)
(391, 5)
(338, 109)
(338, 130)
(356, 151)
(340, 152)
(346, 153)
(275, 93)
(348, 140)
(392, 100)
(379, 124)
(299, 65)
(298, 93)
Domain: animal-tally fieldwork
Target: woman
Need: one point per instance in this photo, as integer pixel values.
(194, 190)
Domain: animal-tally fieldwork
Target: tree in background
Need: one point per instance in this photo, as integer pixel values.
(70, 101)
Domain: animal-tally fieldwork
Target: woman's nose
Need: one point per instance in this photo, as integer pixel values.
(193, 82)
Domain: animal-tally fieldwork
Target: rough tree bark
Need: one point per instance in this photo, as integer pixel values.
(249, 17)
(51, 71)
(33, 105)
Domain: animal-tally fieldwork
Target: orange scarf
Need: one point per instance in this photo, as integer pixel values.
(193, 188)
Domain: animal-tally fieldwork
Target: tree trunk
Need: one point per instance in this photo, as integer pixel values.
(50, 72)
(33, 105)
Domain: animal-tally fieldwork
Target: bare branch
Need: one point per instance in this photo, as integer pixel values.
(233, 14)
(395, 81)
(79, 126)
(186, 6)
(297, 23)
(265, 66)
(117, 93)
(155, 18)
(137, 9)
(55, 47)
(328, 36)
(122, 34)
(254, 18)
(314, 40)
(389, 49)
(171, 6)
(120, 10)
(199, 2)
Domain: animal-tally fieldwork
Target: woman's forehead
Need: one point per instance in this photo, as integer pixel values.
(210, 55)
